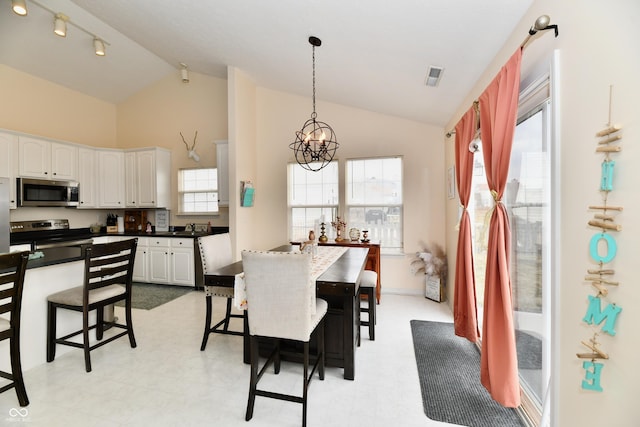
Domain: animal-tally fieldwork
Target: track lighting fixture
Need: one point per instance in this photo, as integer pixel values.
(60, 24)
(19, 7)
(60, 21)
(184, 72)
(98, 45)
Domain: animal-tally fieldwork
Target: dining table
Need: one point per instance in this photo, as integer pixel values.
(338, 285)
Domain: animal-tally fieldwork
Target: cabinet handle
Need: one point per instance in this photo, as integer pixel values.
(46, 173)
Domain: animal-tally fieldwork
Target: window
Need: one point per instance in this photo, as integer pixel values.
(312, 196)
(198, 190)
(373, 199)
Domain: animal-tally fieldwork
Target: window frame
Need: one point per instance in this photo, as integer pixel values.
(213, 189)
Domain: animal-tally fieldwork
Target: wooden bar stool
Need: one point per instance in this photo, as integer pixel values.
(368, 284)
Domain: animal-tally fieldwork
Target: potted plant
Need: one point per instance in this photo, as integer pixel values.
(432, 262)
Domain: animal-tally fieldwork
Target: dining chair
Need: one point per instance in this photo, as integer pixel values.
(215, 252)
(281, 305)
(108, 270)
(12, 271)
(368, 283)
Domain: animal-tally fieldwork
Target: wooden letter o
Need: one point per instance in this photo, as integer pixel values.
(612, 248)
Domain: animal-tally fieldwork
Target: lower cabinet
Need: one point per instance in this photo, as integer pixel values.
(170, 261)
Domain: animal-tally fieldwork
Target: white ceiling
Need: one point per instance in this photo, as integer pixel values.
(374, 54)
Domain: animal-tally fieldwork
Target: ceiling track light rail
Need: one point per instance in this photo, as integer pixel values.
(60, 24)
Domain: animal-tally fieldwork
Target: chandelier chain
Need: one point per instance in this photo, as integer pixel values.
(313, 57)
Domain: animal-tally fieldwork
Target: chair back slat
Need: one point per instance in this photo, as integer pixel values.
(215, 251)
(12, 270)
(109, 263)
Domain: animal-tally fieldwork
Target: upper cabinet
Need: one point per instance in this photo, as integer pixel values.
(8, 151)
(39, 158)
(222, 160)
(110, 178)
(148, 178)
(87, 178)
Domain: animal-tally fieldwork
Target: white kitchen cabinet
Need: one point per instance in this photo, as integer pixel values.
(141, 263)
(181, 259)
(171, 261)
(148, 178)
(222, 165)
(87, 178)
(39, 158)
(110, 179)
(8, 151)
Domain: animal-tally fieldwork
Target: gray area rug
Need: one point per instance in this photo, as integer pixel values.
(147, 296)
(449, 373)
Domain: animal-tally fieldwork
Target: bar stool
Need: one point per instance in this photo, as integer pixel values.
(368, 285)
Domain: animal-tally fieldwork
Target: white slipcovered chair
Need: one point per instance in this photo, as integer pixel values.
(282, 305)
(215, 252)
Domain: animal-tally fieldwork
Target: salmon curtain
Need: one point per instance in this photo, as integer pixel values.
(465, 316)
(498, 114)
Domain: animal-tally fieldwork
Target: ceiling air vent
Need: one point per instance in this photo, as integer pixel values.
(433, 76)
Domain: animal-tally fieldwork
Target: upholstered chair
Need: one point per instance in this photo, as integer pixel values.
(12, 270)
(281, 304)
(368, 282)
(215, 252)
(108, 271)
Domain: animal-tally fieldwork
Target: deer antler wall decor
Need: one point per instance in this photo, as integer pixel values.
(192, 151)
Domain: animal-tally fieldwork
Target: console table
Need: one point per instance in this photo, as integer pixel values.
(373, 259)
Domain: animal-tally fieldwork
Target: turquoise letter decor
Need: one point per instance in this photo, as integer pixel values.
(606, 180)
(612, 248)
(592, 375)
(595, 315)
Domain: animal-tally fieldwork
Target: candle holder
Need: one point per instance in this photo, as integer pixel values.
(323, 237)
(339, 225)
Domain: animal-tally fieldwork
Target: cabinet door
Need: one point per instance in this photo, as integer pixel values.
(131, 178)
(182, 262)
(111, 179)
(64, 160)
(146, 178)
(222, 165)
(87, 178)
(158, 264)
(141, 265)
(8, 147)
(34, 157)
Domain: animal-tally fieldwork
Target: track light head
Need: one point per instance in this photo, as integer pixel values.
(60, 24)
(184, 73)
(98, 46)
(19, 7)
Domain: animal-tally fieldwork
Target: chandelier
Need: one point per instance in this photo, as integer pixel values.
(315, 144)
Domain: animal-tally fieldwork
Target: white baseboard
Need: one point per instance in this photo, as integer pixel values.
(396, 291)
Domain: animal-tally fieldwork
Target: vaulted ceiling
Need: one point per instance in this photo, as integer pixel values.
(374, 55)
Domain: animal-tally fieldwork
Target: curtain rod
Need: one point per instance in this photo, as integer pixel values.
(541, 24)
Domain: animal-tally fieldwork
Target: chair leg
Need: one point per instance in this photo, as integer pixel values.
(16, 370)
(253, 380)
(207, 323)
(305, 383)
(372, 315)
(276, 359)
(321, 349)
(129, 319)
(227, 316)
(99, 323)
(85, 340)
(51, 332)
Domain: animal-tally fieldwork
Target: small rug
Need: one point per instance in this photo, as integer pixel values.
(529, 349)
(449, 373)
(147, 296)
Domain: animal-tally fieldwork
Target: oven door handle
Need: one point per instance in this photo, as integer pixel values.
(38, 246)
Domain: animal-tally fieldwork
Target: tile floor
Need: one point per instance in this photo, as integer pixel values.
(168, 381)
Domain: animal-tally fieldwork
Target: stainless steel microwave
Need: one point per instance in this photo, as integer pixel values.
(44, 192)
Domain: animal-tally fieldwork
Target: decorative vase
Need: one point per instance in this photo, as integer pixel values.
(339, 235)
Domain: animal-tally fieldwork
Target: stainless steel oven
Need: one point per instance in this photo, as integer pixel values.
(43, 192)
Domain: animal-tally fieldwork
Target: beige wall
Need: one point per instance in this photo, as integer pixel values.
(360, 133)
(156, 115)
(596, 49)
(39, 107)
